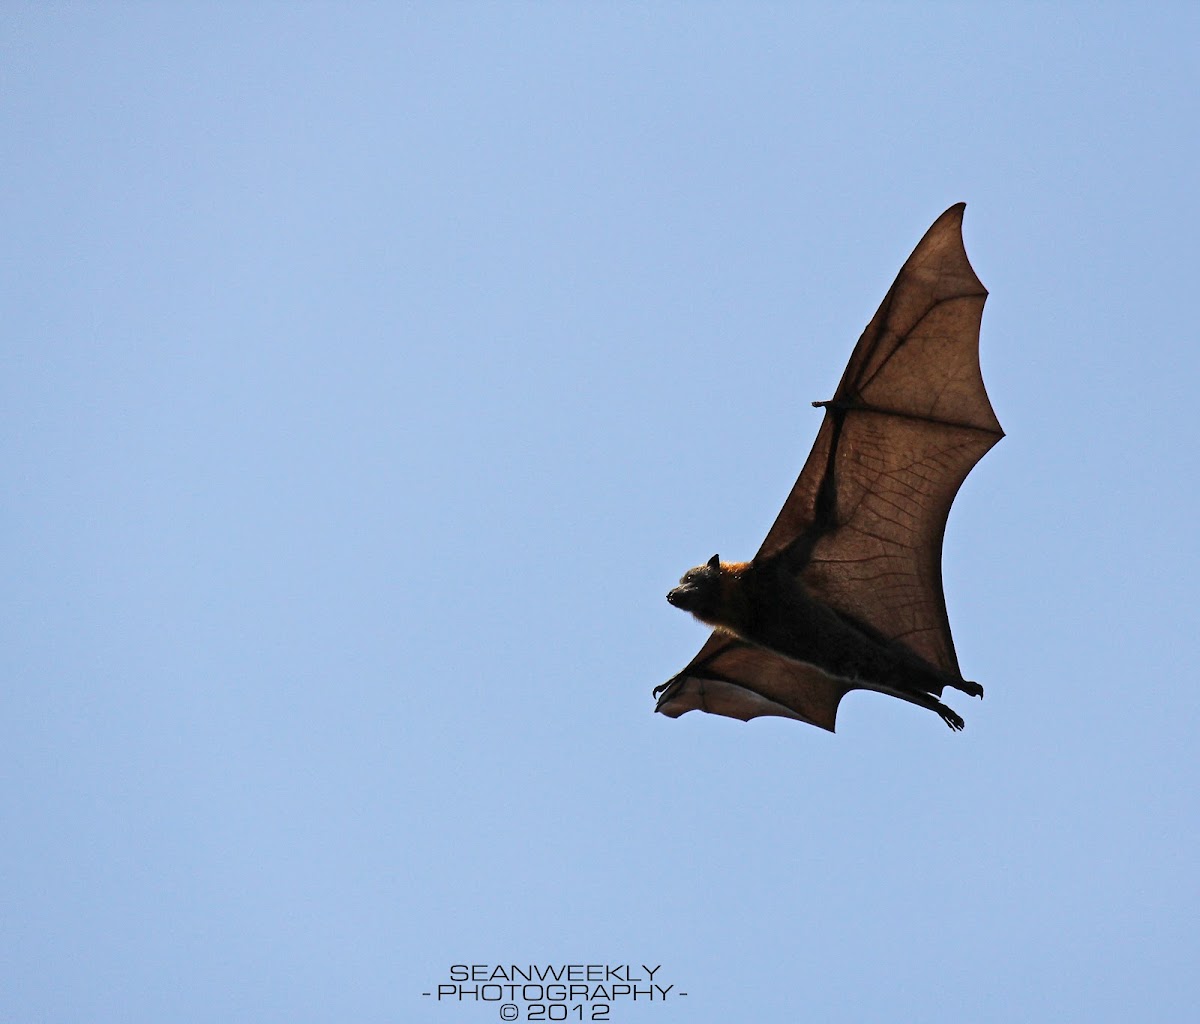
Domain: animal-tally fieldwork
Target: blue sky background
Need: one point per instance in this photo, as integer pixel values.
(371, 372)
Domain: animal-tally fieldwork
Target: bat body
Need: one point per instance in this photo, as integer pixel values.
(846, 592)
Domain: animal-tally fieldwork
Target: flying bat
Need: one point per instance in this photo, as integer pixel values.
(846, 591)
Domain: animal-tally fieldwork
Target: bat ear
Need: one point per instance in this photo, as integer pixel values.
(714, 562)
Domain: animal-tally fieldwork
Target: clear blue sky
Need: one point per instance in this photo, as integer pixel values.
(371, 372)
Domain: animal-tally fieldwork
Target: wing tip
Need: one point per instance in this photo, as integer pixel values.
(954, 212)
(945, 235)
(951, 217)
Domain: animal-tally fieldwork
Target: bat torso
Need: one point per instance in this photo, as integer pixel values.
(772, 609)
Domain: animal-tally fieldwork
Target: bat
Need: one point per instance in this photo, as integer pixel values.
(846, 591)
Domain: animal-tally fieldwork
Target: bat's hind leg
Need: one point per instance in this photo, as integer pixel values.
(920, 698)
(967, 686)
(949, 716)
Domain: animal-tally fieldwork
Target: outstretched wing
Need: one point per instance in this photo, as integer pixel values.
(864, 522)
(733, 678)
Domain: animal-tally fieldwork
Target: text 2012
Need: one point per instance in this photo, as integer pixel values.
(562, 1011)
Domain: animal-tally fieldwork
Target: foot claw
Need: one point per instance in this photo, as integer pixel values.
(973, 689)
(951, 718)
(659, 692)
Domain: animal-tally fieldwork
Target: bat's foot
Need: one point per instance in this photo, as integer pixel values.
(661, 691)
(949, 717)
(968, 687)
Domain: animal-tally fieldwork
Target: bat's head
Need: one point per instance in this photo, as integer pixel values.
(700, 592)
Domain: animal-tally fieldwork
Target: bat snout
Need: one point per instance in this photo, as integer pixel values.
(682, 597)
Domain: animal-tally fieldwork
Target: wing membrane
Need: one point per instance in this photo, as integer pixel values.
(732, 678)
(910, 418)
